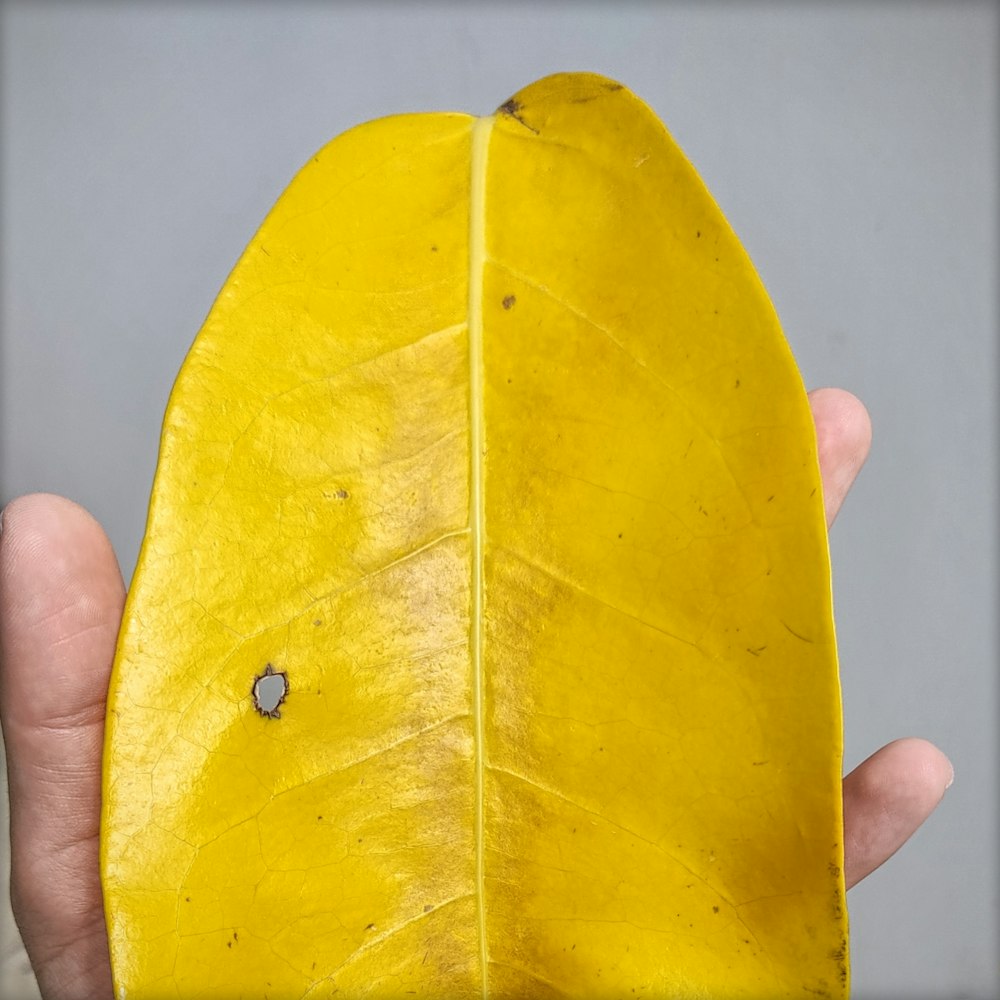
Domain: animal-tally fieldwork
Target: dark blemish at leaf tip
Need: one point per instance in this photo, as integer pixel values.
(513, 108)
(508, 301)
(268, 692)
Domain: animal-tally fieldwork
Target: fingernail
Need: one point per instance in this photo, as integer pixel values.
(951, 778)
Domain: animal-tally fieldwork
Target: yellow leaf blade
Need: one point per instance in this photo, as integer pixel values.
(493, 446)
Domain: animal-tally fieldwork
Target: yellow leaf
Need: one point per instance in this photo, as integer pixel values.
(481, 641)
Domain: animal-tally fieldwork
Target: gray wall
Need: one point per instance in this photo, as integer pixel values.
(853, 148)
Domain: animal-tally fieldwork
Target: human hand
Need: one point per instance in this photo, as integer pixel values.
(61, 599)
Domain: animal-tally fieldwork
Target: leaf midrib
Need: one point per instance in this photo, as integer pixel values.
(481, 130)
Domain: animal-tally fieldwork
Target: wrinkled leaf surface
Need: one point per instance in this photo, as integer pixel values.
(492, 445)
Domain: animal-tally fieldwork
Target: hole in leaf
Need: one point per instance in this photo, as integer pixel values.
(269, 691)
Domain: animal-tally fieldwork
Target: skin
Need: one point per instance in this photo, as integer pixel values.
(61, 599)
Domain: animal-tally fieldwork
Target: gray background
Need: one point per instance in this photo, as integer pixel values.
(853, 148)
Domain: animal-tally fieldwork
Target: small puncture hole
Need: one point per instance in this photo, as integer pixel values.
(269, 691)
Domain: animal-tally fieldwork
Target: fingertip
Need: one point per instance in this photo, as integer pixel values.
(910, 770)
(886, 799)
(842, 422)
(61, 595)
(935, 767)
(843, 441)
(56, 537)
(34, 512)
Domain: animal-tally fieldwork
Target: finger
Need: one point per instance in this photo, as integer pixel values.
(886, 798)
(843, 439)
(61, 597)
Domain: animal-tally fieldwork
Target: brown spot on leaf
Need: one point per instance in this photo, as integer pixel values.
(513, 108)
(508, 301)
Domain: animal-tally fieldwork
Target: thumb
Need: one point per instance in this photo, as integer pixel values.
(61, 597)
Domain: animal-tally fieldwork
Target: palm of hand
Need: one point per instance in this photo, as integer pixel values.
(61, 599)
